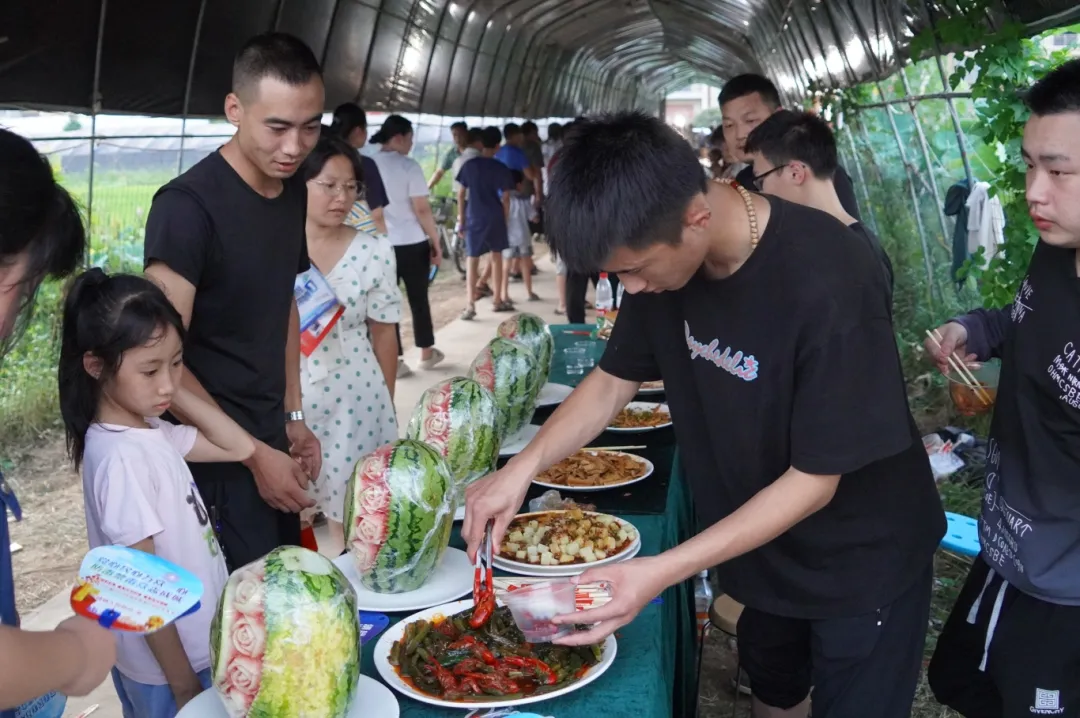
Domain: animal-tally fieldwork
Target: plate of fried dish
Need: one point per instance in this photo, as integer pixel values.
(565, 543)
(595, 470)
(651, 387)
(639, 416)
(437, 657)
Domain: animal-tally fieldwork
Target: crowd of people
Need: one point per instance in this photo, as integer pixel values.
(204, 425)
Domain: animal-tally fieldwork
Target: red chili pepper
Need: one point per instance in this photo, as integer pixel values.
(582, 671)
(539, 667)
(479, 649)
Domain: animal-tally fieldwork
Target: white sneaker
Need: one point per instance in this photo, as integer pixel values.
(436, 357)
(403, 369)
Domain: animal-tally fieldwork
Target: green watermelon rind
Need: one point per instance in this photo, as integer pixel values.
(533, 332)
(516, 395)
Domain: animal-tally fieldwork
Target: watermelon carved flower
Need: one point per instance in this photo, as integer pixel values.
(248, 598)
(483, 370)
(244, 674)
(237, 703)
(372, 529)
(364, 555)
(374, 498)
(375, 465)
(249, 637)
(437, 430)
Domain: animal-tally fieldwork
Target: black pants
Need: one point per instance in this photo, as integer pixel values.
(864, 666)
(1010, 655)
(248, 528)
(413, 267)
(576, 287)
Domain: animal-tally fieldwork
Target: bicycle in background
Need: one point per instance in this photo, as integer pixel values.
(453, 246)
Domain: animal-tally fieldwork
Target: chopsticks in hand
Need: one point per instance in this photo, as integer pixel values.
(962, 370)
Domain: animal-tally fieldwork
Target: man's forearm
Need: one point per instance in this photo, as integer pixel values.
(294, 400)
(435, 178)
(586, 412)
(770, 513)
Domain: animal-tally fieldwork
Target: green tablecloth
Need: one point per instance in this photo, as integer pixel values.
(653, 673)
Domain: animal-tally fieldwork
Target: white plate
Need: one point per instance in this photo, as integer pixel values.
(570, 569)
(451, 579)
(648, 472)
(552, 394)
(516, 444)
(395, 632)
(645, 406)
(371, 699)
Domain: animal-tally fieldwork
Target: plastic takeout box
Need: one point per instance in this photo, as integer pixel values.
(533, 606)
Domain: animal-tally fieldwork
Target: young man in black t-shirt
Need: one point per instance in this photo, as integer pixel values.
(748, 100)
(1011, 646)
(793, 156)
(226, 240)
(769, 323)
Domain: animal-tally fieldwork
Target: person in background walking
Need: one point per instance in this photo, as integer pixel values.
(520, 236)
(366, 215)
(348, 379)
(534, 151)
(484, 207)
(41, 235)
(412, 231)
(226, 241)
(460, 133)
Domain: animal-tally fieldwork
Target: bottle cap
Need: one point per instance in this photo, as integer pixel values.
(603, 275)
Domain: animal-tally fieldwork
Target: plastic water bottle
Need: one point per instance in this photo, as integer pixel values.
(618, 295)
(703, 598)
(604, 299)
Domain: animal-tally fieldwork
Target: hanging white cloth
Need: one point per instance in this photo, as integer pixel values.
(986, 221)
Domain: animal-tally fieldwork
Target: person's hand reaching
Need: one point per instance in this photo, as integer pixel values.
(495, 497)
(951, 338)
(632, 585)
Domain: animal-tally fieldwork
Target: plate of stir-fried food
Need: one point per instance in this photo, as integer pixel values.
(595, 470)
(565, 543)
(638, 416)
(651, 387)
(437, 656)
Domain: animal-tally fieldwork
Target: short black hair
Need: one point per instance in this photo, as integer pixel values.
(491, 137)
(786, 136)
(347, 117)
(555, 132)
(459, 126)
(476, 134)
(512, 129)
(518, 176)
(623, 180)
(530, 128)
(328, 147)
(748, 84)
(716, 138)
(1057, 92)
(274, 54)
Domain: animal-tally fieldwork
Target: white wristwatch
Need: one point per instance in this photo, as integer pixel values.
(294, 416)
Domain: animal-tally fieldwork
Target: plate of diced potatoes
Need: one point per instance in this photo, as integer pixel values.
(565, 543)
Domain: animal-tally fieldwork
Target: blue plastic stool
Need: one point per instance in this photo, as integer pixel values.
(962, 535)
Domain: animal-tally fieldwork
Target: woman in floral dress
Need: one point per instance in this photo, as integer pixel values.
(348, 380)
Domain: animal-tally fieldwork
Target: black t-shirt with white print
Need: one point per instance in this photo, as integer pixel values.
(791, 361)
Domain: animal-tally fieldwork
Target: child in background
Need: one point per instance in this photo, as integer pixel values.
(120, 367)
(518, 255)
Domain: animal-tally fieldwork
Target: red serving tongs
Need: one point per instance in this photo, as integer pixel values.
(483, 586)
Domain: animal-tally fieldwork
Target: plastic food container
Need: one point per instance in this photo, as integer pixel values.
(967, 401)
(534, 606)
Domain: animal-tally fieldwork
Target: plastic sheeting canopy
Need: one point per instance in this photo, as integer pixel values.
(495, 58)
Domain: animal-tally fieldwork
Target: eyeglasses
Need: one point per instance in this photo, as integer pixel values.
(333, 189)
(759, 180)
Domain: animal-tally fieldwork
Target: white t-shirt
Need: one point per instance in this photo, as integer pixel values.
(403, 179)
(136, 485)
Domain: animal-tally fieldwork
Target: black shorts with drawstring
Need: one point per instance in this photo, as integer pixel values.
(1003, 653)
(864, 666)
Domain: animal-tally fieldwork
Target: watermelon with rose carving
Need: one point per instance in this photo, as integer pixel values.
(458, 418)
(399, 509)
(509, 370)
(533, 332)
(285, 641)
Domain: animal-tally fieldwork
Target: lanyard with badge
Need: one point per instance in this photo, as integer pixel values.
(319, 308)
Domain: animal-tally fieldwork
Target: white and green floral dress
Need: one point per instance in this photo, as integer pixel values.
(346, 401)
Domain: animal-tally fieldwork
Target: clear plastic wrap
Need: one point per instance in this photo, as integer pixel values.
(508, 369)
(533, 332)
(459, 418)
(285, 641)
(399, 509)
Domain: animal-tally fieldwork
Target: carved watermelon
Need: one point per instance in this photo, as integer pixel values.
(509, 371)
(532, 331)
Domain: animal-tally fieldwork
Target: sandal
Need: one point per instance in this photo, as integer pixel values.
(503, 307)
(483, 290)
(469, 314)
(534, 297)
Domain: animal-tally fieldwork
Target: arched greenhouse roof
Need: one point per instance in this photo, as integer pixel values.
(495, 58)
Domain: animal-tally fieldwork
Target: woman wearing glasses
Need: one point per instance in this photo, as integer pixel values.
(348, 380)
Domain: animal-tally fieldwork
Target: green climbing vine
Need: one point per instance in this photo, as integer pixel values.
(1005, 63)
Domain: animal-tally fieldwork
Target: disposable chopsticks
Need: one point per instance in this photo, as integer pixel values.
(966, 377)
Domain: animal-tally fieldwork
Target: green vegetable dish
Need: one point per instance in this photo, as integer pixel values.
(447, 659)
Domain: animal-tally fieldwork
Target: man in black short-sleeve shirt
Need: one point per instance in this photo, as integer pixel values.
(811, 485)
(226, 239)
